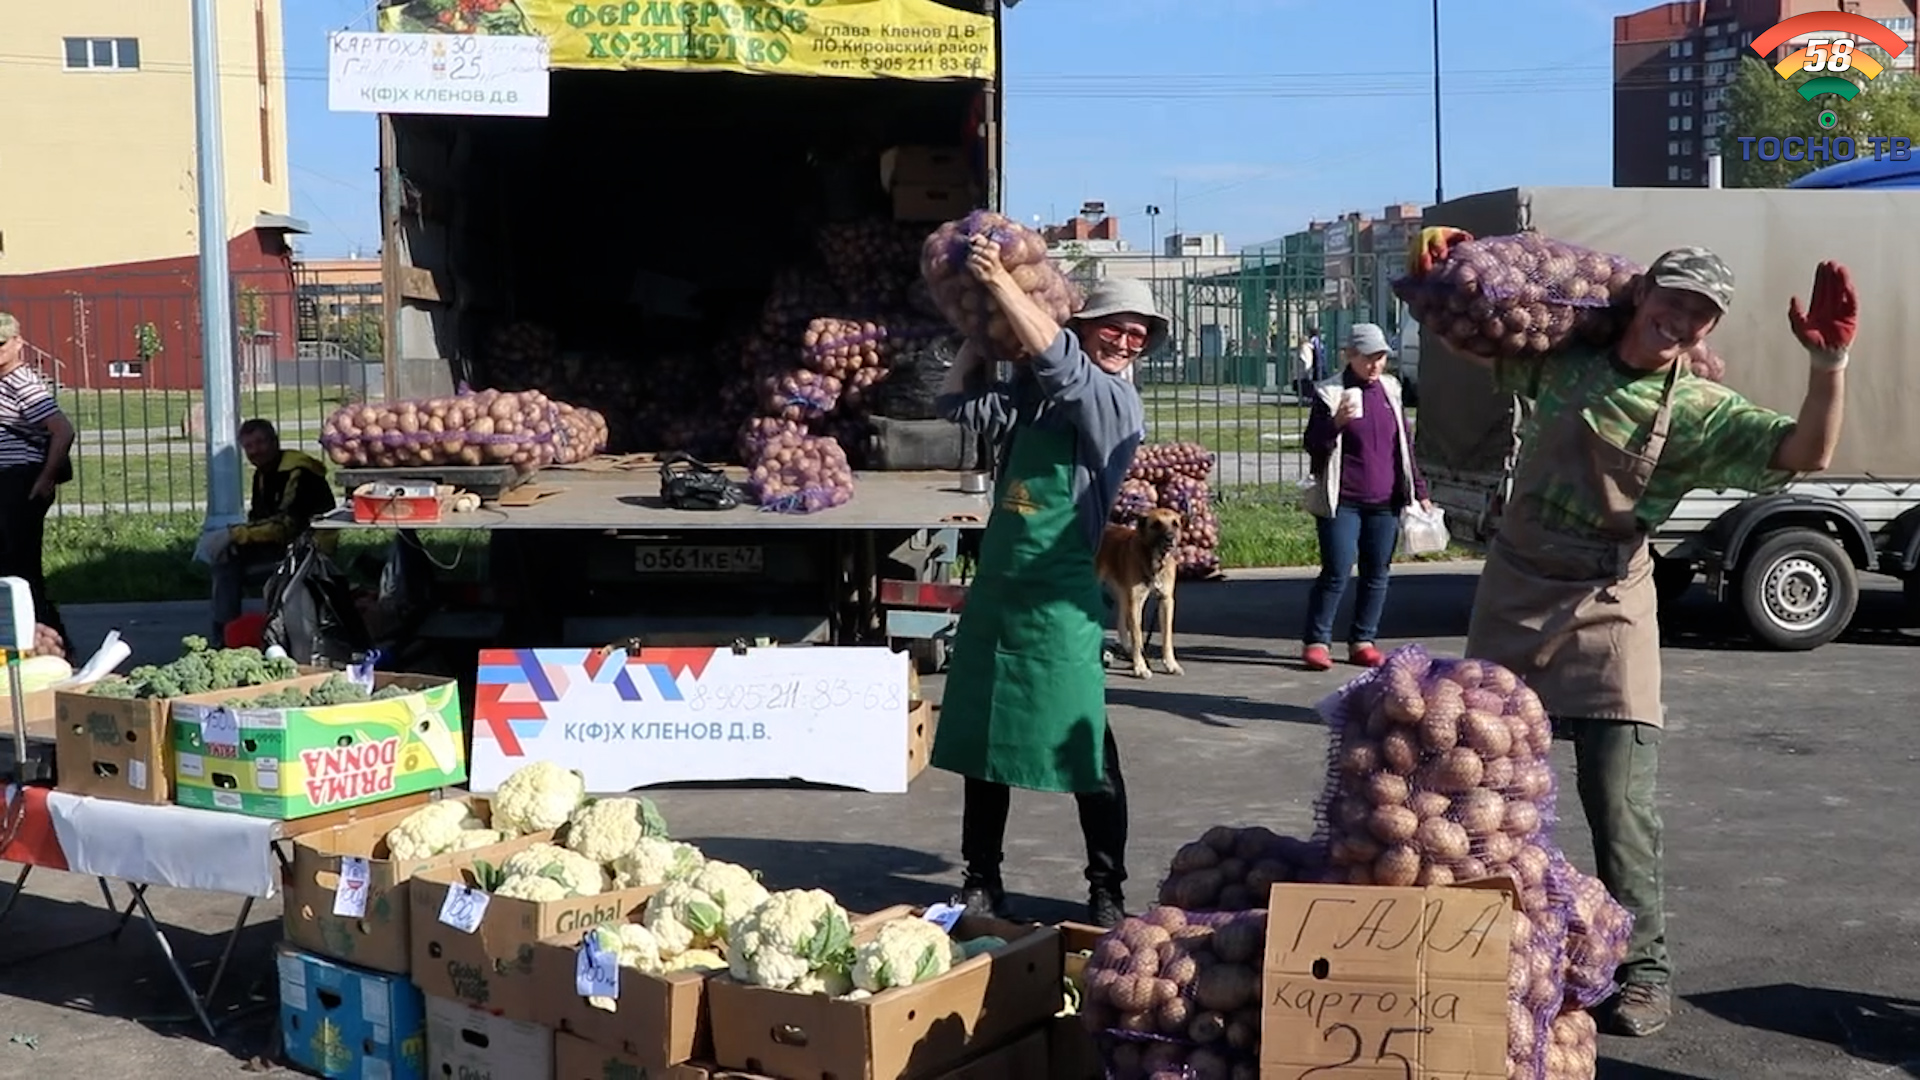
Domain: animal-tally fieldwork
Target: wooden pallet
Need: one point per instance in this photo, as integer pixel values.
(486, 481)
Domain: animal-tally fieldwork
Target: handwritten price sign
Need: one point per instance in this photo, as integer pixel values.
(1386, 984)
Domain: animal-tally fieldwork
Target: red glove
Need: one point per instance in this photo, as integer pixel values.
(1827, 327)
(1431, 245)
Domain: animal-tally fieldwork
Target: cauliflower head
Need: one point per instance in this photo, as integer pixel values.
(574, 872)
(537, 797)
(799, 939)
(434, 829)
(697, 960)
(907, 950)
(683, 917)
(733, 887)
(655, 860)
(533, 887)
(605, 829)
(633, 946)
(477, 838)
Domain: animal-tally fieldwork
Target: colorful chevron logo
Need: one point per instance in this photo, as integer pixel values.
(515, 686)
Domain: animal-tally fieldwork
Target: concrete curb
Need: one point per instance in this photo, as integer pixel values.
(1468, 567)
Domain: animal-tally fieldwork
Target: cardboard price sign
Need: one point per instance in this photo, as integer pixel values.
(1386, 983)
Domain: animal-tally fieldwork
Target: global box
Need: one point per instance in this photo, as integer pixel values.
(294, 763)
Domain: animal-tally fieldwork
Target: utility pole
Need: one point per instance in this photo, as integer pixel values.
(1438, 189)
(216, 311)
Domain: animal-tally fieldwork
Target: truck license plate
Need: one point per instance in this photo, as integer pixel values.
(689, 559)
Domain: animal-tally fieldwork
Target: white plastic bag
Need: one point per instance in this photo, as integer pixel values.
(1423, 532)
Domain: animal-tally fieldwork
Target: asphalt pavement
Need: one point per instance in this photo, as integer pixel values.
(1786, 790)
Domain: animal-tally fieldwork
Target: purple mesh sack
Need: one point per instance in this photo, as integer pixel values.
(1176, 995)
(487, 427)
(1534, 990)
(1437, 772)
(1136, 498)
(1522, 296)
(799, 395)
(964, 302)
(1598, 929)
(799, 474)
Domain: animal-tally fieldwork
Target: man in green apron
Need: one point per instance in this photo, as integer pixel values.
(1026, 697)
(1618, 437)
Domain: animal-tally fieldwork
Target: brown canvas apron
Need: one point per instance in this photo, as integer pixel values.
(1575, 616)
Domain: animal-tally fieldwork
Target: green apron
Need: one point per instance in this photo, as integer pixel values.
(1026, 697)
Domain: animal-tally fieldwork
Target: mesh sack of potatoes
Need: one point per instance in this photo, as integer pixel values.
(1176, 994)
(964, 302)
(870, 262)
(1522, 297)
(582, 433)
(1136, 497)
(1598, 929)
(1235, 869)
(1573, 1048)
(1160, 462)
(790, 473)
(485, 427)
(799, 394)
(1438, 773)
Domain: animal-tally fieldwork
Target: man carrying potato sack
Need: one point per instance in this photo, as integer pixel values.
(290, 489)
(1026, 702)
(1618, 437)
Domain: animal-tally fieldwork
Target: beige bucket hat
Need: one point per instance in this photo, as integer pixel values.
(1127, 296)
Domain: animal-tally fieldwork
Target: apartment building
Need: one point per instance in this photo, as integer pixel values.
(99, 222)
(1673, 65)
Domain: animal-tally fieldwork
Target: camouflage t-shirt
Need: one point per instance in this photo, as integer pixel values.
(1716, 439)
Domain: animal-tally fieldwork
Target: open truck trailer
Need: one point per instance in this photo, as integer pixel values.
(639, 229)
(1788, 561)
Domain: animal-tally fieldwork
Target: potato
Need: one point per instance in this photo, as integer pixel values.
(1393, 824)
(1487, 734)
(1429, 804)
(1400, 750)
(1482, 811)
(1442, 840)
(1387, 789)
(1522, 819)
(1440, 731)
(1398, 865)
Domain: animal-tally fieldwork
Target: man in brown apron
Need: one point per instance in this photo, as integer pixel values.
(1618, 438)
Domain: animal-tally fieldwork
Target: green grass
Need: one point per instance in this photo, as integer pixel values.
(134, 409)
(1262, 527)
(139, 558)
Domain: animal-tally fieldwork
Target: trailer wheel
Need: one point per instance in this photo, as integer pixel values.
(1672, 578)
(1797, 589)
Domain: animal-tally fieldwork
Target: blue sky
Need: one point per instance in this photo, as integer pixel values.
(1244, 117)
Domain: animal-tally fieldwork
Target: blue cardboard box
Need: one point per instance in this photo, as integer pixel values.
(339, 1021)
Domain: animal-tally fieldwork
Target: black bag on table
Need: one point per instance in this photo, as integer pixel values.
(687, 483)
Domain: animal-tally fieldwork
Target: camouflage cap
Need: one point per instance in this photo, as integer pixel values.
(1696, 270)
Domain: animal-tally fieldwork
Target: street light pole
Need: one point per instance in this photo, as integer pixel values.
(1438, 189)
(220, 402)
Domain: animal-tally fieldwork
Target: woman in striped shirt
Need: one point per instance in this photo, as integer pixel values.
(35, 437)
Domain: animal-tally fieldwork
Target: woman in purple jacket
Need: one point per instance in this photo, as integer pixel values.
(1363, 477)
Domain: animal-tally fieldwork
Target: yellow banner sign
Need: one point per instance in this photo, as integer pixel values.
(847, 39)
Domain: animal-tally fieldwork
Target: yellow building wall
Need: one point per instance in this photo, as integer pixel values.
(97, 166)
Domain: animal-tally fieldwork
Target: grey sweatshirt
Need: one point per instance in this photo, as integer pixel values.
(1061, 389)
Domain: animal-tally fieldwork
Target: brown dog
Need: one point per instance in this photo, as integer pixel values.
(1135, 561)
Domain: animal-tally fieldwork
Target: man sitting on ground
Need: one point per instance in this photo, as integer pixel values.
(290, 489)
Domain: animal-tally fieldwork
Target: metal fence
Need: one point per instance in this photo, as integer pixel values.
(125, 363)
(1233, 378)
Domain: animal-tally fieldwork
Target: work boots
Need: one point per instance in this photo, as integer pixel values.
(1105, 906)
(983, 896)
(1641, 1009)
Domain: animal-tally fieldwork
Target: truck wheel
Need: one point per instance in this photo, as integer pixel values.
(1797, 589)
(1671, 579)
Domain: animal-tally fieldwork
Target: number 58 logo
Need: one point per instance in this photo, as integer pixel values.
(1829, 54)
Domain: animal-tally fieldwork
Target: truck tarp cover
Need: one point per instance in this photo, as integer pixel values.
(1772, 239)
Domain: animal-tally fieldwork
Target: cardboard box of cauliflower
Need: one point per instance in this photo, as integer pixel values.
(475, 921)
(658, 1017)
(931, 1014)
(371, 930)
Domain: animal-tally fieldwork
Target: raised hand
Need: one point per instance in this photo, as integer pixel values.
(1831, 318)
(1431, 245)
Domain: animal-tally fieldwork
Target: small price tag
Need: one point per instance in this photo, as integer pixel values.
(221, 728)
(945, 916)
(362, 672)
(350, 896)
(463, 908)
(596, 971)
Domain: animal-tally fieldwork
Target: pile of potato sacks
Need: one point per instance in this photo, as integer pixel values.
(1174, 476)
(1438, 774)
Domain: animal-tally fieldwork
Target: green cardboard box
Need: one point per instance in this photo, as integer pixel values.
(294, 763)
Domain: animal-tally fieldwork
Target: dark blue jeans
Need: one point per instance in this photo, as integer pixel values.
(1363, 534)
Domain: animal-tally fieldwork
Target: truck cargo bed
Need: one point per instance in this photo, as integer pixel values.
(881, 501)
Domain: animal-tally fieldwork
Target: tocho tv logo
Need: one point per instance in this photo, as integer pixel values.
(1829, 52)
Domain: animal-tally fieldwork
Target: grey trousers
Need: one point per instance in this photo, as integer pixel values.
(1617, 764)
